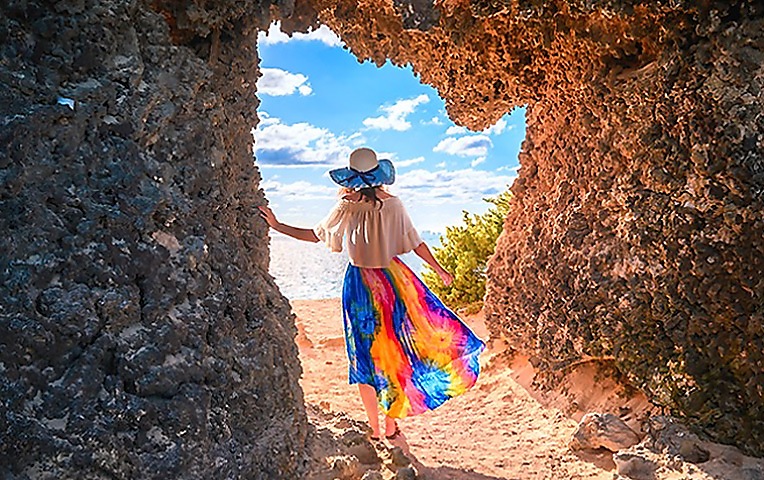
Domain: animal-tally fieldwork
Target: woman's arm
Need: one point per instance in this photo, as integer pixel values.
(423, 251)
(304, 234)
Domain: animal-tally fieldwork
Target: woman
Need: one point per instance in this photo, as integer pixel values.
(407, 352)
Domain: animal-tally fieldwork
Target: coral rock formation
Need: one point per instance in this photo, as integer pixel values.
(140, 334)
(636, 229)
(140, 331)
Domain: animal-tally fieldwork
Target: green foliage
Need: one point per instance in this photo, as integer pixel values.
(464, 252)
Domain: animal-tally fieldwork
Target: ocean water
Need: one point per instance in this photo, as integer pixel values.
(309, 271)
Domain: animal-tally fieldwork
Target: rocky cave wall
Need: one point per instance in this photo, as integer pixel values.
(636, 230)
(140, 334)
(140, 331)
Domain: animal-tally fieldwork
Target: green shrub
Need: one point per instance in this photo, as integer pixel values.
(464, 252)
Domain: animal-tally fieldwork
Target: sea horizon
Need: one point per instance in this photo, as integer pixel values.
(319, 273)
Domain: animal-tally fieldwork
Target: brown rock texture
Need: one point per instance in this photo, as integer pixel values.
(603, 430)
(637, 227)
(636, 230)
(140, 334)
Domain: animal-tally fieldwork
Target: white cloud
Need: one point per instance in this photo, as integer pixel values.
(441, 165)
(409, 162)
(497, 128)
(433, 121)
(321, 34)
(477, 161)
(299, 190)
(507, 168)
(279, 82)
(457, 187)
(301, 145)
(467, 146)
(266, 119)
(395, 114)
(457, 130)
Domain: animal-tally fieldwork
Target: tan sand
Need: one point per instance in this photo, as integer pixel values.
(504, 428)
(498, 430)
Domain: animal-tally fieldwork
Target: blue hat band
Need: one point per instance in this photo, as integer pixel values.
(368, 177)
(382, 174)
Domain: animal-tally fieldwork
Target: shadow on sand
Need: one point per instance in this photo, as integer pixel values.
(602, 458)
(440, 472)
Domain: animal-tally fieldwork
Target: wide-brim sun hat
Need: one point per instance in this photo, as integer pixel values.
(364, 170)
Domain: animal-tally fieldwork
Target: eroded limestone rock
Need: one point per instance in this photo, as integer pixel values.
(140, 334)
(635, 231)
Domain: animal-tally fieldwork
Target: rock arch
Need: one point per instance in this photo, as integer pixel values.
(140, 330)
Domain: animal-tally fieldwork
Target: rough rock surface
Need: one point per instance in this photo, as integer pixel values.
(140, 334)
(334, 445)
(598, 430)
(635, 232)
(139, 328)
(670, 450)
(636, 228)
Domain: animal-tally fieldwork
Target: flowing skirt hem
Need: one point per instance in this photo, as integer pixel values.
(384, 309)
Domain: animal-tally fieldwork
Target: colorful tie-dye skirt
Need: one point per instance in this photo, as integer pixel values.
(404, 342)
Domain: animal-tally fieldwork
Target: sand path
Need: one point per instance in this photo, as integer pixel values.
(495, 431)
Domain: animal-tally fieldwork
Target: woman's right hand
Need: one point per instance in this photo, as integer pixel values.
(447, 278)
(268, 216)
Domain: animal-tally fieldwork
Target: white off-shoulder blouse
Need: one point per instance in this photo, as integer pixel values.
(374, 234)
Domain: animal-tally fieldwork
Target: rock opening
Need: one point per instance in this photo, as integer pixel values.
(141, 332)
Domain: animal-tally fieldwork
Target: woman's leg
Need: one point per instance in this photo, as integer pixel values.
(390, 426)
(369, 399)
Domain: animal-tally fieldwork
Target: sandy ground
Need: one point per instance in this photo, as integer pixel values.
(498, 430)
(504, 428)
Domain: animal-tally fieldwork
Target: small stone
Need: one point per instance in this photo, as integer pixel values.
(691, 452)
(365, 453)
(753, 473)
(350, 437)
(603, 431)
(343, 424)
(346, 467)
(406, 473)
(634, 466)
(399, 458)
(372, 475)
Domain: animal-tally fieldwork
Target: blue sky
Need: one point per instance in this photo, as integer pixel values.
(318, 103)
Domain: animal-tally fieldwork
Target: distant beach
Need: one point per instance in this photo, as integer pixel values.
(309, 271)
